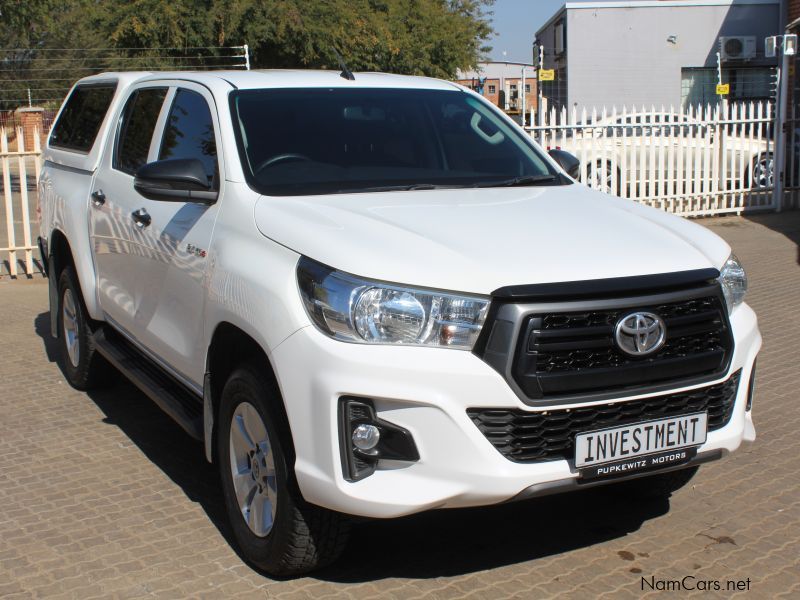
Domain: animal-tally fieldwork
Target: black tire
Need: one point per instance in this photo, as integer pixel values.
(303, 537)
(659, 485)
(83, 367)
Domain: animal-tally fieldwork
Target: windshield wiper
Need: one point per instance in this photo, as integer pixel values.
(399, 188)
(521, 180)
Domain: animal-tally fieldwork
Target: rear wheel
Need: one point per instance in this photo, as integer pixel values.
(659, 485)
(276, 529)
(83, 367)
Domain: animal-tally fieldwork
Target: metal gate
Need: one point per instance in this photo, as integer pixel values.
(21, 167)
(707, 160)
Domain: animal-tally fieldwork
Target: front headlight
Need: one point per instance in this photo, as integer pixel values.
(352, 309)
(733, 280)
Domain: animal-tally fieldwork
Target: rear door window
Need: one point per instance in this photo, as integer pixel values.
(136, 131)
(189, 132)
(83, 114)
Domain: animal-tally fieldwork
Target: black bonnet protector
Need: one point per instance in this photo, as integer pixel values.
(604, 288)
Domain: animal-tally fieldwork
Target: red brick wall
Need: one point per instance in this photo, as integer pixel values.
(794, 10)
(493, 98)
(531, 98)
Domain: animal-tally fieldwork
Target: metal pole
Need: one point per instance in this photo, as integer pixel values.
(538, 80)
(780, 144)
(522, 91)
(246, 57)
(29, 98)
(722, 104)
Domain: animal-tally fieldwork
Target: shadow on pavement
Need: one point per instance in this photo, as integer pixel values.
(786, 223)
(167, 446)
(434, 544)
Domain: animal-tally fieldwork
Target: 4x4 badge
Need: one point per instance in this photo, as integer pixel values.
(192, 249)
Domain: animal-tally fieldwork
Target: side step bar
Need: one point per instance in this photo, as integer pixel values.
(180, 403)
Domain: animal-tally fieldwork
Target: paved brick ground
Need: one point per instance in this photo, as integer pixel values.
(101, 495)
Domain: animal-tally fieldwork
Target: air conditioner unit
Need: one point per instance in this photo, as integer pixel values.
(737, 47)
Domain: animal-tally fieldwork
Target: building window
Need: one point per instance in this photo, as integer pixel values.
(560, 42)
(698, 85)
(492, 89)
(527, 88)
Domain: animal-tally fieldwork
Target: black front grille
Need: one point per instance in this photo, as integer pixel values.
(569, 353)
(524, 436)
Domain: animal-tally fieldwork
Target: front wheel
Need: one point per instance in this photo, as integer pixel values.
(600, 177)
(275, 528)
(762, 172)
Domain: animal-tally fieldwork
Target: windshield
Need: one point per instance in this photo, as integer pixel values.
(323, 141)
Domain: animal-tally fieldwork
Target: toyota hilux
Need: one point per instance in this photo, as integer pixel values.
(374, 295)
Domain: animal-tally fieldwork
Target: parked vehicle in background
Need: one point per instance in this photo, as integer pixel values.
(627, 140)
(703, 161)
(374, 295)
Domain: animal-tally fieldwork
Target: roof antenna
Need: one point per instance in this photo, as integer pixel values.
(346, 73)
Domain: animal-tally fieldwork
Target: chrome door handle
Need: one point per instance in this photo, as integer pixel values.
(98, 198)
(141, 218)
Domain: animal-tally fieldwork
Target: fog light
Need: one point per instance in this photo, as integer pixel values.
(366, 437)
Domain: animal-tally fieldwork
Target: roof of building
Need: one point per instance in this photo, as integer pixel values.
(649, 4)
(495, 69)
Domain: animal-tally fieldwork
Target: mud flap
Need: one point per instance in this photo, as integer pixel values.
(208, 418)
(52, 287)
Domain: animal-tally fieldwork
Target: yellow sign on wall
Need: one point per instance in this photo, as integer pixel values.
(723, 89)
(547, 74)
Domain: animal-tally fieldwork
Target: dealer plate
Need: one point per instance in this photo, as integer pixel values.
(631, 444)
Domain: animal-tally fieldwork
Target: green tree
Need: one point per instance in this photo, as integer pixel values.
(417, 37)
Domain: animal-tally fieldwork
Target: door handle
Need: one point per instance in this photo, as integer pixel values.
(98, 198)
(141, 218)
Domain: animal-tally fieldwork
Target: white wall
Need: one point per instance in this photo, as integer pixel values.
(620, 55)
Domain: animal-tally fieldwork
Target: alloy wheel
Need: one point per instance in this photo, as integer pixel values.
(71, 327)
(764, 172)
(253, 469)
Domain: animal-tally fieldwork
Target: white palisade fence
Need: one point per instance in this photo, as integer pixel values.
(701, 161)
(20, 169)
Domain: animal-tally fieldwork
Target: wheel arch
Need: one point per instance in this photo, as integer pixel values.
(59, 256)
(62, 252)
(230, 347)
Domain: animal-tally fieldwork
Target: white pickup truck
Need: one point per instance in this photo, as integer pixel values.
(374, 295)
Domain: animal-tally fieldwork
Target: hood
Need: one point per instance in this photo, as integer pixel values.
(478, 240)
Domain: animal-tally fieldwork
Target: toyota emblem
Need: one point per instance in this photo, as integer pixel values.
(640, 333)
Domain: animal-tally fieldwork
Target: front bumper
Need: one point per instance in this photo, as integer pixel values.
(428, 391)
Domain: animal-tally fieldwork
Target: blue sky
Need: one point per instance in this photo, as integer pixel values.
(516, 22)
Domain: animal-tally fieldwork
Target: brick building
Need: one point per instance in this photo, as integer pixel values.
(501, 84)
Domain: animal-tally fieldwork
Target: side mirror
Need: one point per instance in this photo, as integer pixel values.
(568, 162)
(175, 180)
